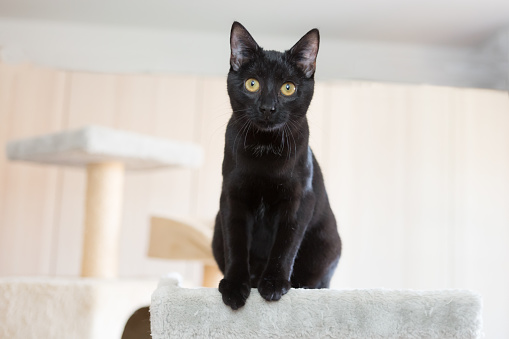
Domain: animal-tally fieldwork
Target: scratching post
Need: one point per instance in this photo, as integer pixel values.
(200, 313)
(105, 153)
(103, 212)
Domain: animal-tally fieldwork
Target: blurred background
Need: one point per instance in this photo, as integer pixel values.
(410, 123)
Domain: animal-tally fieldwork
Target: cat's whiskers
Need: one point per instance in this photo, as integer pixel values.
(238, 120)
(221, 126)
(282, 139)
(240, 110)
(245, 128)
(218, 111)
(295, 124)
(285, 140)
(290, 150)
(294, 142)
(247, 131)
(239, 132)
(296, 127)
(285, 127)
(227, 111)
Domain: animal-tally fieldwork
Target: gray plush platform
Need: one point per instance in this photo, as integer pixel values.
(94, 144)
(200, 313)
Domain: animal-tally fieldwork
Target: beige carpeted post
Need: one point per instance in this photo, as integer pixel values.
(211, 275)
(103, 213)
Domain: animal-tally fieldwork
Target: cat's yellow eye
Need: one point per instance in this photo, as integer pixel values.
(252, 85)
(288, 88)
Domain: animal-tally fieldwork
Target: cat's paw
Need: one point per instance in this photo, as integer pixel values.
(234, 293)
(273, 289)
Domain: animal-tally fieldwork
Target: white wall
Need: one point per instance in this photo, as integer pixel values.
(101, 48)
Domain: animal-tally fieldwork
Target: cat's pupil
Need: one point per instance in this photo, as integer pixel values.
(252, 83)
(287, 87)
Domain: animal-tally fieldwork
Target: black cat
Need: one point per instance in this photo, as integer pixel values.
(275, 228)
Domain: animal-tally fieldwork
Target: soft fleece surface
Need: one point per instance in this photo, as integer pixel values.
(376, 313)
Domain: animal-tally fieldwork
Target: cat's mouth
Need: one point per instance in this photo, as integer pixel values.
(268, 126)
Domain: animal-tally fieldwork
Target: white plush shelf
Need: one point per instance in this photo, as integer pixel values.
(200, 313)
(95, 144)
(59, 308)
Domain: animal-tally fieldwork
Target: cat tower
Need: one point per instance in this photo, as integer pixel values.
(97, 305)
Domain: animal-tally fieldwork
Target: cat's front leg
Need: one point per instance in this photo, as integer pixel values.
(236, 286)
(275, 280)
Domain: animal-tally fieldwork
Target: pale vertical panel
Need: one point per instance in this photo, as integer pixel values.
(426, 189)
(367, 132)
(215, 113)
(341, 103)
(481, 202)
(30, 105)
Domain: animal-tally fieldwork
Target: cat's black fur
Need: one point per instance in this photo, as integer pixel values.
(275, 228)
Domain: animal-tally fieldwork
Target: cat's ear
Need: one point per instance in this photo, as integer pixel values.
(304, 52)
(242, 45)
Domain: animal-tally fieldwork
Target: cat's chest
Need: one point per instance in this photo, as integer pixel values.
(259, 150)
(276, 176)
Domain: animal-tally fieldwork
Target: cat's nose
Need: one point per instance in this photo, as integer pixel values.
(267, 110)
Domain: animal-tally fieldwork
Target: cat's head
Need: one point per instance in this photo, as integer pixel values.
(271, 88)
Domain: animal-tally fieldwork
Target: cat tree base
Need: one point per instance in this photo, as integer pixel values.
(81, 308)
